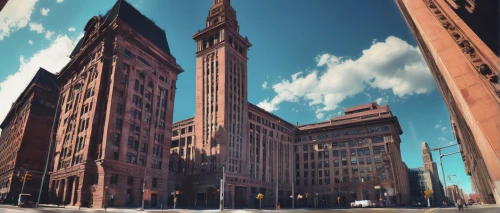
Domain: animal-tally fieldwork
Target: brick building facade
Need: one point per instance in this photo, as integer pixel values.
(25, 137)
(257, 149)
(349, 156)
(459, 41)
(115, 120)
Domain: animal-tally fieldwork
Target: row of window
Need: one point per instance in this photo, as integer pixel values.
(114, 179)
(345, 133)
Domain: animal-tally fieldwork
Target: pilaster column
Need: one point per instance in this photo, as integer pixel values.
(65, 191)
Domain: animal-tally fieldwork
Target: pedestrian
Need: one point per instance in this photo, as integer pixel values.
(459, 204)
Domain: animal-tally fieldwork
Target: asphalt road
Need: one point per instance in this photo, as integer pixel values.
(473, 209)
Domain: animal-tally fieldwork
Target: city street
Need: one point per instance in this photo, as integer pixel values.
(473, 209)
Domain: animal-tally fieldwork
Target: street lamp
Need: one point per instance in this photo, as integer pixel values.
(441, 164)
(340, 181)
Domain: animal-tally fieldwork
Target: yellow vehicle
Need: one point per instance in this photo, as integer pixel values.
(24, 200)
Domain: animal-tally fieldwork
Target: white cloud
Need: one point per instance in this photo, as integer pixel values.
(438, 125)
(60, 1)
(380, 100)
(71, 29)
(444, 129)
(390, 65)
(53, 58)
(49, 34)
(15, 15)
(45, 11)
(37, 27)
(442, 139)
(264, 85)
(30, 42)
(320, 115)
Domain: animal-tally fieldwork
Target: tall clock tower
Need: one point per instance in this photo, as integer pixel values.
(221, 93)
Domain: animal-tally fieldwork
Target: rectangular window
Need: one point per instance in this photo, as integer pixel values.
(131, 158)
(352, 143)
(130, 181)
(353, 152)
(118, 125)
(344, 161)
(336, 162)
(327, 164)
(377, 139)
(305, 156)
(354, 161)
(326, 153)
(154, 182)
(368, 160)
(335, 153)
(377, 160)
(115, 155)
(116, 139)
(361, 161)
(119, 109)
(360, 152)
(113, 179)
(343, 152)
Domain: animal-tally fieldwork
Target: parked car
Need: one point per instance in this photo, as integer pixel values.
(363, 203)
(24, 200)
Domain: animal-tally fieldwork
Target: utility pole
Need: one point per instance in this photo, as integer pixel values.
(222, 187)
(51, 139)
(24, 180)
(441, 164)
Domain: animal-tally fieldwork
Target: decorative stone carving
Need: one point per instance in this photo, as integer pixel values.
(467, 49)
(446, 25)
(442, 17)
(484, 69)
(494, 79)
(456, 36)
(437, 11)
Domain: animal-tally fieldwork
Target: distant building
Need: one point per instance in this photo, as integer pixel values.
(356, 156)
(25, 137)
(434, 173)
(459, 41)
(420, 180)
(454, 192)
(115, 121)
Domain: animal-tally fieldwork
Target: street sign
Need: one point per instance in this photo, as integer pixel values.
(147, 194)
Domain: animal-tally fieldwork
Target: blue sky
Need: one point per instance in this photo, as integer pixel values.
(309, 59)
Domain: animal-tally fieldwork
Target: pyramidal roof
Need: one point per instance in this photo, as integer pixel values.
(137, 21)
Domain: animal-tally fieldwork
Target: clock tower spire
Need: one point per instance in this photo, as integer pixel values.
(221, 93)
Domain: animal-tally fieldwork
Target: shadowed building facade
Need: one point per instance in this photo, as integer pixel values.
(25, 137)
(115, 114)
(459, 41)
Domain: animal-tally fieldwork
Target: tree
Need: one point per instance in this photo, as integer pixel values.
(259, 197)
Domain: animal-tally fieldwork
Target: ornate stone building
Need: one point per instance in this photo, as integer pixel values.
(257, 149)
(115, 114)
(459, 41)
(25, 137)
